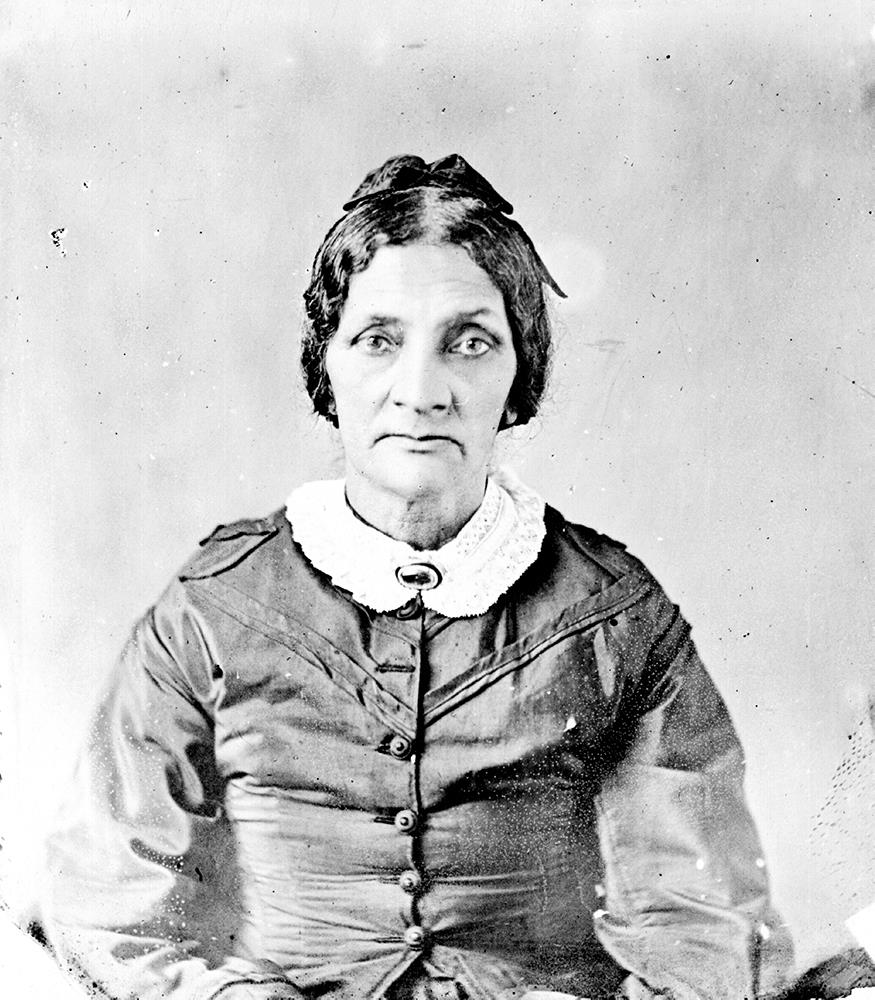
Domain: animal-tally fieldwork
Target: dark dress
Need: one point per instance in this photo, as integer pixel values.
(288, 793)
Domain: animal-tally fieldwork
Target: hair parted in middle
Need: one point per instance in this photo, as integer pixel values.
(446, 202)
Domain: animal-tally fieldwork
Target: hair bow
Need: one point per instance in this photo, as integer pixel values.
(453, 172)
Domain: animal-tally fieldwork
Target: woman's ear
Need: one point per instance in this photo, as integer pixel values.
(508, 418)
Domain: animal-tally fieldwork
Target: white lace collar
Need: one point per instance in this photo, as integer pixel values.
(481, 563)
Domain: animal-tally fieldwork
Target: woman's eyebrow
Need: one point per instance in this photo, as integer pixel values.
(466, 315)
(377, 319)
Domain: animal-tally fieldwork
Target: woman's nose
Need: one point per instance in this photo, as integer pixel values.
(420, 382)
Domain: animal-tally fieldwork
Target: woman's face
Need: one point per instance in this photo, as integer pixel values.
(420, 366)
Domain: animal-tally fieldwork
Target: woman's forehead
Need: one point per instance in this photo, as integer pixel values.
(419, 276)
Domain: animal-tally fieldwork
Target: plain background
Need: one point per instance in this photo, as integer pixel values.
(698, 177)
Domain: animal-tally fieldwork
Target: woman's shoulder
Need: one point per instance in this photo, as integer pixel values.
(228, 545)
(583, 577)
(582, 563)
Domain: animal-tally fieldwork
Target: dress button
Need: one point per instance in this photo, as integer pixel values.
(400, 747)
(406, 821)
(414, 938)
(410, 881)
(409, 610)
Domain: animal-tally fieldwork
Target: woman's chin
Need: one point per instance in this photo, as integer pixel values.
(424, 479)
(414, 476)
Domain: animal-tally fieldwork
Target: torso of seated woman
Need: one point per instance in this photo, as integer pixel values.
(355, 747)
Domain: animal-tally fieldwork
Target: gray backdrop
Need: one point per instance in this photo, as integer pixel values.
(698, 177)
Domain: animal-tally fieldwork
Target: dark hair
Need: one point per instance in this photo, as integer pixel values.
(429, 212)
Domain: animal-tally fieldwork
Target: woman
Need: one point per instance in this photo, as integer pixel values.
(415, 735)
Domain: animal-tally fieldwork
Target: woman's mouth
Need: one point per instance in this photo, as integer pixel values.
(422, 442)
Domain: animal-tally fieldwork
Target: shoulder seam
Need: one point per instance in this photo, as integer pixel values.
(607, 553)
(244, 526)
(228, 545)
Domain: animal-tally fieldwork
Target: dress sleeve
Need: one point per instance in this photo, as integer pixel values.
(686, 902)
(142, 900)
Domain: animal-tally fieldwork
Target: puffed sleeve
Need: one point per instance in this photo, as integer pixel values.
(142, 900)
(686, 906)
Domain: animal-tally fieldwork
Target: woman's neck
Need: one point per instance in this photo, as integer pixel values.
(425, 521)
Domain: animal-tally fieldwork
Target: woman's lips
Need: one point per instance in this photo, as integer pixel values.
(421, 442)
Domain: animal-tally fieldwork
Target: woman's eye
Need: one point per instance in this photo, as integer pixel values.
(375, 343)
(472, 347)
